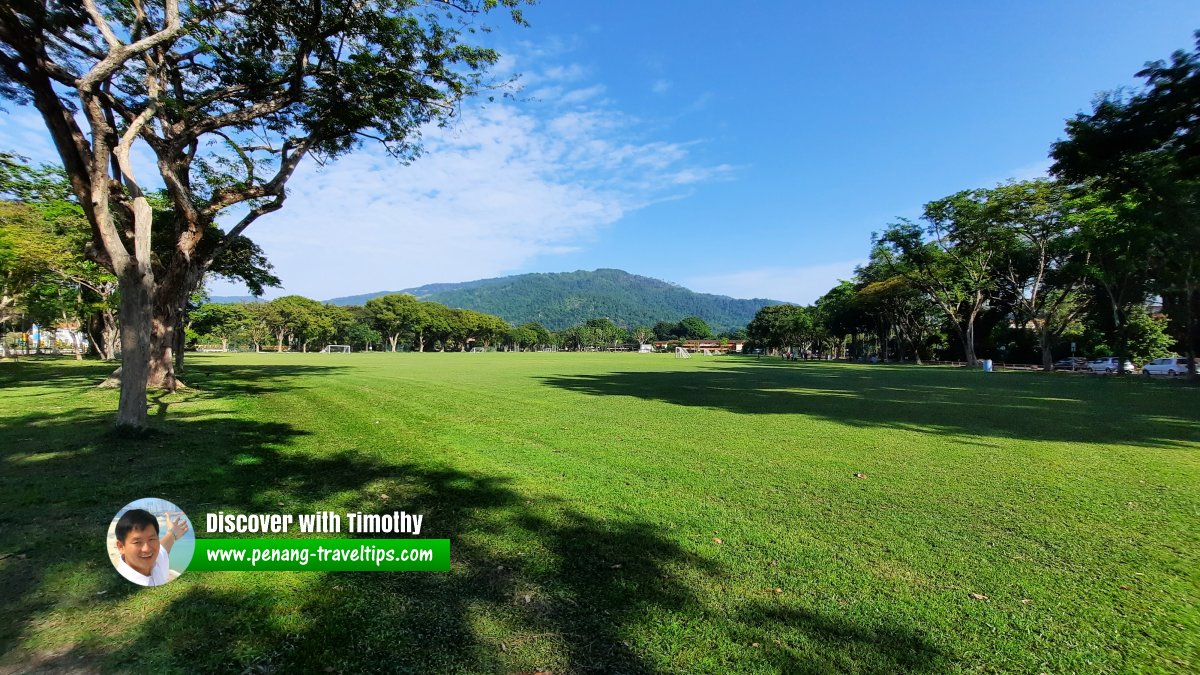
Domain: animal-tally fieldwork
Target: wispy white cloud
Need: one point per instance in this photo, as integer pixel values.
(506, 183)
(571, 72)
(660, 86)
(1031, 171)
(700, 103)
(584, 95)
(792, 284)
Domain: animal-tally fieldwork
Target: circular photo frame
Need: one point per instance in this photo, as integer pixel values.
(150, 541)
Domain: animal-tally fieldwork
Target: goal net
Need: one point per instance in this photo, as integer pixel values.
(681, 353)
(336, 349)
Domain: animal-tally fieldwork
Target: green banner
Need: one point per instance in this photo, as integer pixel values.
(321, 555)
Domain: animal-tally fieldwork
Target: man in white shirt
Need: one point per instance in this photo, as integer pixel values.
(145, 558)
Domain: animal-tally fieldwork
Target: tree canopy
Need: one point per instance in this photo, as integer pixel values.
(1140, 154)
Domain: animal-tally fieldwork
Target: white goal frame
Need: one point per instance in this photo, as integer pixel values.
(681, 353)
(335, 349)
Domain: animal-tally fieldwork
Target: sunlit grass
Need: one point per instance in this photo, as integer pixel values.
(620, 513)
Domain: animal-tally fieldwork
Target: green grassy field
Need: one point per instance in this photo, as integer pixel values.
(620, 513)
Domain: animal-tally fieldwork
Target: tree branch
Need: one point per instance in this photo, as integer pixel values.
(118, 53)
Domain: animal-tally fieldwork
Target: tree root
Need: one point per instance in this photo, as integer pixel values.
(113, 381)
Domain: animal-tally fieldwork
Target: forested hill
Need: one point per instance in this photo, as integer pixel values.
(562, 299)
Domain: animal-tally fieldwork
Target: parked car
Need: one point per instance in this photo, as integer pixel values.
(1109, 364)
(1171, 367)
(1071, 363)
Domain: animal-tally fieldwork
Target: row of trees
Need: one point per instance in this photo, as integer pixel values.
(402, 322)
(1105, 253)
(301, 324)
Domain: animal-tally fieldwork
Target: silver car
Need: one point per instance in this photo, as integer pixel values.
(1109, 364)
(1170, 367)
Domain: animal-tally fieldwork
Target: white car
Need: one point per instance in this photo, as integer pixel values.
(1170, 367)
(1108, 364)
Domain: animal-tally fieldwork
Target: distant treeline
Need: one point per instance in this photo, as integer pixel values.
(401, 322)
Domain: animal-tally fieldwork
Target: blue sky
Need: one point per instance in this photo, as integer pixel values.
(746, 149)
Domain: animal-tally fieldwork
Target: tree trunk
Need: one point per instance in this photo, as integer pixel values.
(180, 337)
(1044, 340)
(279, 343)
(161, 374)
(393, 339)
(137, 290)
(103, 333)
(95, 336)
(420, 342)
(224, 344)
(1119, 328)
(170, 307)
(968, 340)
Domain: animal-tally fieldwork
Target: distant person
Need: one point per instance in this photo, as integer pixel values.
(145, 558)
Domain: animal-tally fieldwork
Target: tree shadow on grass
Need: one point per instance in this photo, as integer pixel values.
(225, 379)
(940, 400)
(31, 372)
(203, 379)
(801, 640)
(536, 583)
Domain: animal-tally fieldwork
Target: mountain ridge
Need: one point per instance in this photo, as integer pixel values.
(558, 300)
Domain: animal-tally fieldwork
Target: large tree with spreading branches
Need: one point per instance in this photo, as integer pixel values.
(227, 98)
(1140, 153)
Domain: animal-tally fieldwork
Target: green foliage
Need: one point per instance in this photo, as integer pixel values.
(1148, 338)
(44, 277)
(694, 328)
(222, 322)
(531, 335)
(642, 334)
(1140, 154)
(361, 335)
(665, 330)
(393, 315)
(783, 327)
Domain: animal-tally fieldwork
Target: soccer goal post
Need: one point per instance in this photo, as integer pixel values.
(336, 349)
(681, 353)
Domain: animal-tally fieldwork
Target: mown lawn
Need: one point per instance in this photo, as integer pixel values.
(619, 513)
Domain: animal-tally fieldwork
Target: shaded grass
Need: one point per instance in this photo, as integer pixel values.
(584, 496)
